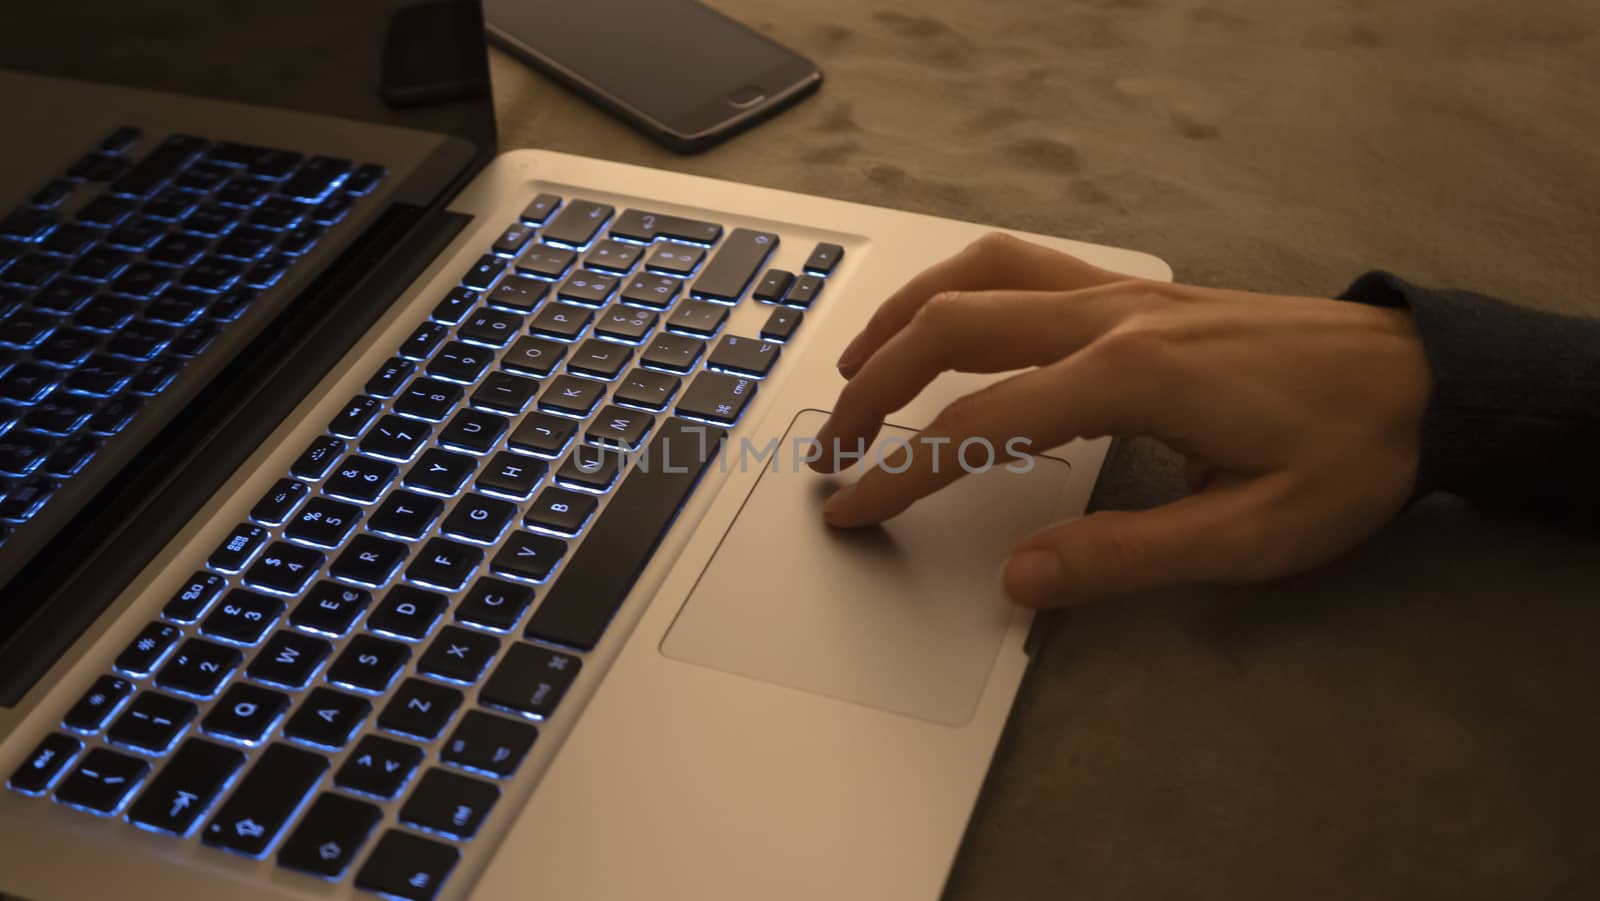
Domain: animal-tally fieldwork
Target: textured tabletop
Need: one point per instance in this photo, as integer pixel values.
(1420, 720)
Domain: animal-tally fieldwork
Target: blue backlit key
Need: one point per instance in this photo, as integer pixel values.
(97, 705)
(245, 713)
(198, 668)
(330, 609)
(44, 766)
(238, 548)
(147, 649)
(252, 817)
(186, 787)
(152, 722)
(102, 781)
(193, 597)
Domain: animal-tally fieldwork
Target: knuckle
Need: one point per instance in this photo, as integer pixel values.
(1134, 344)
(941, 309)
(995, 242)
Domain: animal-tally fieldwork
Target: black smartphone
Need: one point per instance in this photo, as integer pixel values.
(682, 73)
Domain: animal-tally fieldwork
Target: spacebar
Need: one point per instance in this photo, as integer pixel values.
(601, 573)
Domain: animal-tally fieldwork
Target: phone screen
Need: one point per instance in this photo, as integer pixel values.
(666, 58)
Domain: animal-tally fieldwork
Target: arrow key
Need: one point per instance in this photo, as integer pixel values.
(329, 836)
(188, 784)
(379, 767)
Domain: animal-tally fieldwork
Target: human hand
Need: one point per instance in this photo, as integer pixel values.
(1300, 417)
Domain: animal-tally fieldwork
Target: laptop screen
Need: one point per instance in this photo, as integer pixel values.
(188, 192)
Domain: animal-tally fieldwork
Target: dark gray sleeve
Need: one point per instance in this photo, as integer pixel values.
(1514, 418)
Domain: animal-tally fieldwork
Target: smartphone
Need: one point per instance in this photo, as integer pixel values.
(682, 73)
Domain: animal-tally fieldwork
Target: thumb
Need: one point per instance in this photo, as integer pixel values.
(1221, 535)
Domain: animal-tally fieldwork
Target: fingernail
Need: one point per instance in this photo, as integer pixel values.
(1033, 578)
(849, 361)
(835, 506)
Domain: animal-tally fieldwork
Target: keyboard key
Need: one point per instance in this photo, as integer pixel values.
(424, 341)
(512, 240)
(531, 557)
(539, 209)
(101, 375)
(542, 434)
(474, 431)
(266, 798)
(449, 804)
(289, 659)
(600, 574)
(356, 416)
(577, 223)
(571, 396)
(378, 767)
(369, 560)
(530, 680)
(361, 479)
(505, 393)
(590, 468)
(459, 362)
(243, 617)
(675, 259)
(734, 265)
(152, 722)
(426, 398)
(194, 597)
(562, 321)
(27, 225)
(158, 167)
(317, 459)
(107, 210)
(644, 227)
(585, 288)
(440, 472)
(40, 769)
(455, 307)
(599, 359)
(212, 273)
(327, 718)
(364, 179)
(317, 178)
(323, 522)
(408, 613)
(619, 428)
(459, 655)
(420, 709)
(534, 356)
(648, 289)
(444, 564)
(368, 664)
(773, 285)
(646, 390)
(329, 836)
(198, 668)
(391, 377)
(238, 548)
(279, 214)
(627, 324)
(330, 609)
(102, 781)
(97, 705)
(483, 273)
(245, 713)
(744, 356)
(406, 515)
(494, 604)
(407, 866)
(101, 264)
(397, 438)
(143, 281)
(781, 324)
(716, 398)
(284, 568)
(561, 511)
(488, 744)
(511, 475)
(545, 261)
(519, 294)
(148, 649)
(698, 318)
(115, 415)
(22, 452)
(25, 499)
(479, 519)
(804, 292)
(613, 256)
(192, 779)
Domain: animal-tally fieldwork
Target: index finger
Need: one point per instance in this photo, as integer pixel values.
(995, 261)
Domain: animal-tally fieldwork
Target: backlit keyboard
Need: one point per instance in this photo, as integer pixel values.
(121, 272)
(351, 676)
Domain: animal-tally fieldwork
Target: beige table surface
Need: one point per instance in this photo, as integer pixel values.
(1420, 720)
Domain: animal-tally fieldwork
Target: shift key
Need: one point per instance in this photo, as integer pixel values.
(736, 263)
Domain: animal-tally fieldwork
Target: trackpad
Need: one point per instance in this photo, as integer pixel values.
(906, 617)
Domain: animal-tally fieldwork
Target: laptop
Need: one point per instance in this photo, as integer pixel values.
(383, 515)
